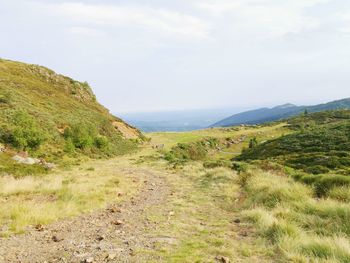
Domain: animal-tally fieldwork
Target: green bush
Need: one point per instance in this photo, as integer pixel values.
(81, 135)
(69, 146)
(24, 134)
(101, 142)
(188, 152)
(239, 167)
(316, 169)
(217, 163)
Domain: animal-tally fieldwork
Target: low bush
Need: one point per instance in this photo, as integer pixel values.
(24, 133)
(195, 151)
(217, 163)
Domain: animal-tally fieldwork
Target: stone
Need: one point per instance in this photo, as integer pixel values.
(112, 256)
(223, 259)
(117, 222)
(49, 166)
(100, 238)
(39, 227)
(237, 221)
(56, 239)
(114, 210)
(89, 260)
(25, 160)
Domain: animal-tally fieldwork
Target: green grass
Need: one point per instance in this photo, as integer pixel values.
(320, 148)
(50, 115)
(292, 222)
(32, 200)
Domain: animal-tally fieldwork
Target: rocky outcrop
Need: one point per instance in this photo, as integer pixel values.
(31, 161)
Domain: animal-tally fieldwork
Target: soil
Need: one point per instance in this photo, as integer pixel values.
(109, 235)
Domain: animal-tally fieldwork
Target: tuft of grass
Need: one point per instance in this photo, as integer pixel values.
(34, 200)
(298, 227)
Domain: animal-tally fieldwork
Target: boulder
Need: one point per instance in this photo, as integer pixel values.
(25, 160)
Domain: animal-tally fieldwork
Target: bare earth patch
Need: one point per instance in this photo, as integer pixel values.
(109, 234)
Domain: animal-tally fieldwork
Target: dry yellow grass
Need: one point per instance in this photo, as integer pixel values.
(33, 200)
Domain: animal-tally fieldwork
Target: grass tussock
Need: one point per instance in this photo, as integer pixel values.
(300, 227)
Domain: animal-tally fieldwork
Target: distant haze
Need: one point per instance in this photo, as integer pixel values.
(159, 55)
(186, 120)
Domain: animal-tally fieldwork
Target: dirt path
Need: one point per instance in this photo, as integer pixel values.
(109, 235)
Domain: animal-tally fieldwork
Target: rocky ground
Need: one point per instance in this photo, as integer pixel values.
(109, 235)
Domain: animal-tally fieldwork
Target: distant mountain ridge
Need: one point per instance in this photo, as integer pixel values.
(279, 112)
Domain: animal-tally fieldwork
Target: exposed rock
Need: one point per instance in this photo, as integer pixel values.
(21, 158)
(237, 221)
(112, 256)
(100, 238)
(117, 222)
(56, 239)
(89, 260)
(49, 166)
(39, 227)
(223, 259)
(126, 130)
(114, 209)
(25, 160)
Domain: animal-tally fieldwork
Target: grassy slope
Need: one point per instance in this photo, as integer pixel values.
(280, 219)
(290, 220)
(51, 103)
(320, 145)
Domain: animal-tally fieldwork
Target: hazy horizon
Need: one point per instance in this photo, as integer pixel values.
(154, 56)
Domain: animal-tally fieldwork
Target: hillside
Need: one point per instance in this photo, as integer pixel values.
(320, 145)
(277, 113)
(50, 116)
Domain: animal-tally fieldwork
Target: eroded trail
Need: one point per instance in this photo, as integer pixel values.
(175, 215)
(112, 234)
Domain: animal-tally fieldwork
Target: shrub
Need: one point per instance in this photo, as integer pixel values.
(69, 146)
(81, 135)
(101, 142)
(217, 163)
(24, 134)
(186, 152)
(239, 167)
(253, 143)
(316, 169)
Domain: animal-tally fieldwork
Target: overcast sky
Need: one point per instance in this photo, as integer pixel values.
(144, 55)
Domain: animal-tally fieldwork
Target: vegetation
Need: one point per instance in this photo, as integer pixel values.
(321, 144)
(194, 151)
(295, 224)
(32, 200)
(51, 116)
(277, 192)
(295, 188)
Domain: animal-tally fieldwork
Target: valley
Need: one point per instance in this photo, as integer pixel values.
(145, 207)
(78, 184)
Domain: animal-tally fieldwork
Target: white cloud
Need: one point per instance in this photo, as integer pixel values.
(264, 17)
(153, 19)
(86, 31)
(345, 17)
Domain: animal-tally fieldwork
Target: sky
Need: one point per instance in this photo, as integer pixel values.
(155, 55)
